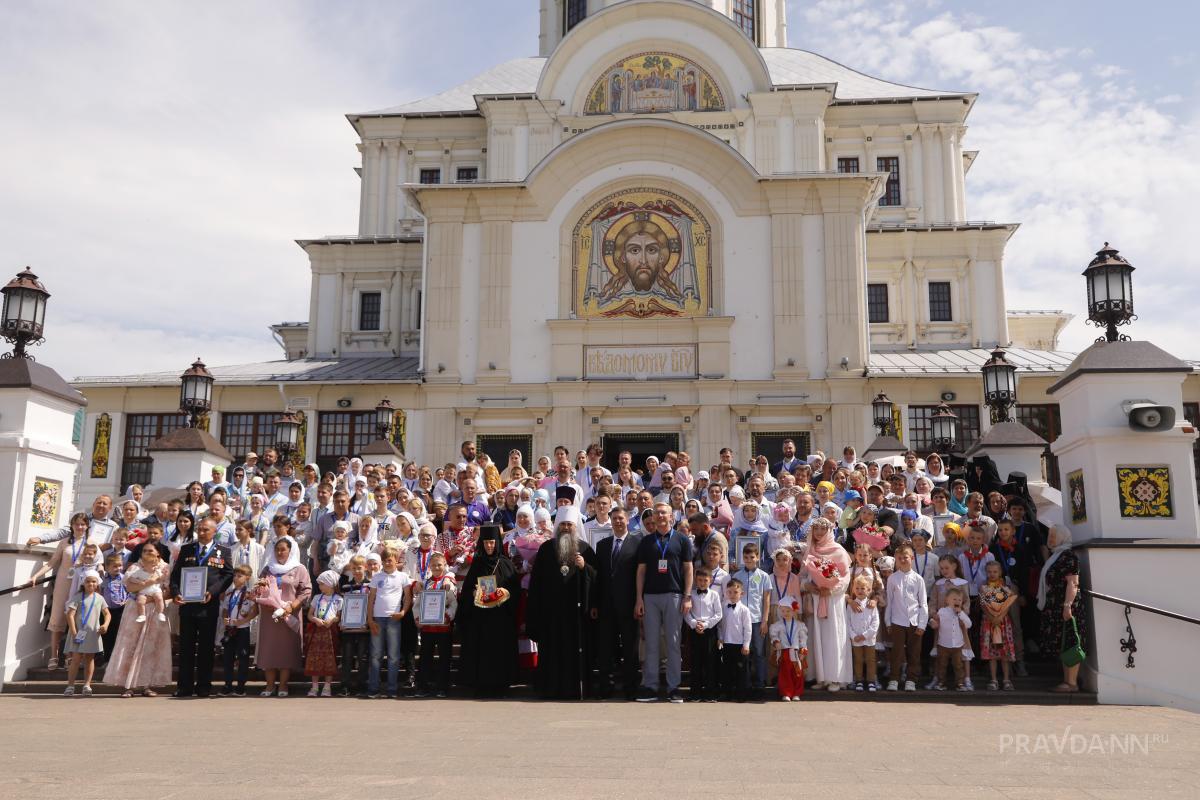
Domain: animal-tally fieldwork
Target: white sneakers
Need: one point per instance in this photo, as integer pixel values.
(893, 686)
(910, 686)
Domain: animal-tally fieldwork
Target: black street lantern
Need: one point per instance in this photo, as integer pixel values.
(1110, 293)
(195, 392)
(999, 385)
(383, 417)
(287, 435)
(24, 311)
(882, 408)
(943, 429)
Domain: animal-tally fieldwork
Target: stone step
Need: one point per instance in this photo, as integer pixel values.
(1039, 695)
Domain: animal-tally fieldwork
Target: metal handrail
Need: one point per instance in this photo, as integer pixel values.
(38, 582)
(1162, 612)
(1129, 645)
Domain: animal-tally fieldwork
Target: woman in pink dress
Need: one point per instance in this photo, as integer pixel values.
(64, 563)
(141, 656)
(280, 634)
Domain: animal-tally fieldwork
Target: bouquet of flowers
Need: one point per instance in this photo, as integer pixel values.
(995, 596)
(268, 596)
(872, 536)
(825, 574)
(527, 547)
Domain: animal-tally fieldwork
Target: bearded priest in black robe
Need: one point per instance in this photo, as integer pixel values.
(559, 618)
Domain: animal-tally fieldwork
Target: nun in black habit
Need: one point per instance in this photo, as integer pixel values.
(487, 622)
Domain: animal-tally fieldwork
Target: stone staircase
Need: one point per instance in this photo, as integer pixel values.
(1031, 690)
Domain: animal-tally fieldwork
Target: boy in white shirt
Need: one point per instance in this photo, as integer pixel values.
(734, 643)
(906, 615)
(390, 599)
(757, 600)
(951, 624)
(703, 618)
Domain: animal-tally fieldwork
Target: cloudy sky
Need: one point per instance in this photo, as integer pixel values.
(160, 158)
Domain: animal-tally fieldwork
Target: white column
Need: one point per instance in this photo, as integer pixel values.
(931, 210)
(786, 140)
(520, 151)
(370, 178)
(384, 170)
(392, 195)
(950, 197)
(959, 175)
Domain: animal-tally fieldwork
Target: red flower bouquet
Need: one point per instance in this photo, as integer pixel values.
(825, 574)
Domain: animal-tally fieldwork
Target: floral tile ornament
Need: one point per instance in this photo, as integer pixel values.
(1145, 492)
(1076, 494)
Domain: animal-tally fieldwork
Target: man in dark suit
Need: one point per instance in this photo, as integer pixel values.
(790, 460)
(198, 620)
(617, 634)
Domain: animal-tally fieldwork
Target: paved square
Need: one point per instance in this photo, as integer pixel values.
(300, 748)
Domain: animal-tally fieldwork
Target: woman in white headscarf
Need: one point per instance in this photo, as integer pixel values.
(1060, 601)
(280, 637)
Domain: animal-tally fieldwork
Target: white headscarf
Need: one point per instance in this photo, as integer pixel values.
(1062, 543)
(411, 520)
(372, 537)
(540, 517)
(293, 557)
(328, 578)
(523, 509)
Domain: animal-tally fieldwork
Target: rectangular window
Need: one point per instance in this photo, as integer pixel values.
(877, 302)
(939, 302)
(919, 428)
(343, 433)
(368, 310)
(891, 194)
(431, 176)
(243, 433)
(142, 430)
(466, 175)
(1043, 419)
(745, 17)
(847, 165)
(576, 10)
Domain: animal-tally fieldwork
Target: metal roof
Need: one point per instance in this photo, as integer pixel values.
(964, 361)
(787, 67)
(346, 370)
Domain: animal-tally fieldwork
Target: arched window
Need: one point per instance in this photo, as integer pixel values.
(576, 10)
(745, 15)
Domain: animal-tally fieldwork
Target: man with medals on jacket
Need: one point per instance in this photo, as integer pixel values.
(198, 620)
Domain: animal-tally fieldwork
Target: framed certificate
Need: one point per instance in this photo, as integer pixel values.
(193, 584)
(487, 584)
(740, 543)
(433, 607)
(354, 612)
(101, 531)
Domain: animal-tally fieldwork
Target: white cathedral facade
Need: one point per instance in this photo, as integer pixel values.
(668, 230)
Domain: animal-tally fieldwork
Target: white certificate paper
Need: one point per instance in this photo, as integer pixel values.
(354, 612)
(193, 584)
(433, 607)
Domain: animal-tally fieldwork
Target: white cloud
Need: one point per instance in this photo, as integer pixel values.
(1076, 160)
(160, 160)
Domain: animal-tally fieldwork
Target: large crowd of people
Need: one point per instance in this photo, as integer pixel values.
(799, 573)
